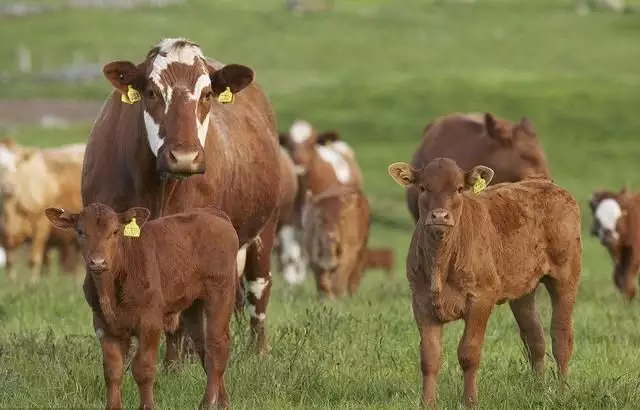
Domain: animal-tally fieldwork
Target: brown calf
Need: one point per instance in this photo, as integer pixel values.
(139, 285)
(473, 249)
(336, 227)
(379, 258)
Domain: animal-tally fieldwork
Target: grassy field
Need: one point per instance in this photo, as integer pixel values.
(377, 71)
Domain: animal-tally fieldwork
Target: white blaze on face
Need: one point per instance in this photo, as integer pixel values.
(300, 131)
(168, 53)
(337, 162)
(607, 214)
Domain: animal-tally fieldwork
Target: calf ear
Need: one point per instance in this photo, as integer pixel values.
(61, 219)
(234, 76)
(495, 128)
(283, 139)
(402, 173)
(141, 214)
(327, 136)
(474, 174)
(526, 125)
(122, 74)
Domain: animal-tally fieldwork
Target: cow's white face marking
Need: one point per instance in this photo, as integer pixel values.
(337, 162)
(300, 131)
(168, 54)
(607, 213)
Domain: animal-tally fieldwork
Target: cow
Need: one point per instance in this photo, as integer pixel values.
(33, 180)
(379, 258)
(616, 223)
(513, 151)
(144, 275)
(181, 130)
(472, 249)
(336, 226)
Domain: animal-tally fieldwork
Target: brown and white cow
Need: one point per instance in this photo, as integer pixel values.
(32, 180)
(513, 151)
(472, 249)
(180, 114)
(336, 230)
(145, 275)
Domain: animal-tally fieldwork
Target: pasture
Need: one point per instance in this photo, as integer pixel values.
(377, 71)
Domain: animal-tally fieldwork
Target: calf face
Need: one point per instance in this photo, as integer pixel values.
(99, 228)
(302, 141)
(441, 185)
(178, 89)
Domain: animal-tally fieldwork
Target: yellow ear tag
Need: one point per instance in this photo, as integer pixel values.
(132, 229)
(226, 97)
(131, 96)
(479, 185)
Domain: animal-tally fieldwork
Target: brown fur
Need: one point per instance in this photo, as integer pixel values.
(379, 258)
(470, 252)
(237, 170)
(513, 151)
(336, 226)
(138, 286)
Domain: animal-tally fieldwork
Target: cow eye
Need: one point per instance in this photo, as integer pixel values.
(460, 189)
(152, 94)
(207, 95)
(80, 233)
(115, 232)
(421, 188)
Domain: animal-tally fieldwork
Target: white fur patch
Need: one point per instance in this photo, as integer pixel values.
(7, 159)
(203, 81)
(241, 259)
(257, 287)
(202, 128)
(294, 269)
(343, 148)
(185, 55)
(254, 314)
(153, 133)
(300, 131)
(607, 213)
(99, 333)
(337, 162)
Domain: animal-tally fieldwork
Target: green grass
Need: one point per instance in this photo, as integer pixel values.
(377, 71)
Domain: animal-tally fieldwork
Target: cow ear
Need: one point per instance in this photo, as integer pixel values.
(122, 74)
(496, 129)
(327, 137)
(402, 173)
(526, 125)
(141, 214)
(234, 76)
(283, 139)
(61, 219)
(472, 177)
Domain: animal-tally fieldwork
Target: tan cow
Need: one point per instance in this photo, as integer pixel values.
(40, 178)
(513, 151)
(336, 229)
(472, 249)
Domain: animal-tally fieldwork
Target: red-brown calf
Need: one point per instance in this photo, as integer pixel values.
(381, 258)
(472, 249)
(138, 286)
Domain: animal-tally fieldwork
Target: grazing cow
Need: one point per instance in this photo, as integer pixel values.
(180, 131)
(473, 249)
(144, 275)
(513, 151)
(336, 227)
(33, 181)
(379, 258)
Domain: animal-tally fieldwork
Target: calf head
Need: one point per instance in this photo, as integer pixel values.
(179, 91)
(518, 154)
(99, 229)
(606, 209)
(441, 188)
(302, 141)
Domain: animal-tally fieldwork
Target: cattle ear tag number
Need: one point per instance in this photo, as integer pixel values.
(132, 229)
(131, 96)
(226, 97)
(479, 185)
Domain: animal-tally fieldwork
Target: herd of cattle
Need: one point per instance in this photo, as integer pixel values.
(179, 197)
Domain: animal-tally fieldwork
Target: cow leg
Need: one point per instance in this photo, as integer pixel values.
(526, 314)
(173, 353)
(11, 269)
(194, 323)
(258, 277)
(219, 308)
(430, 349)
(470, 350)
(144, 365)
(114, 350)
(37, 249)
(323, 284)
(290, 255)
(356, 276)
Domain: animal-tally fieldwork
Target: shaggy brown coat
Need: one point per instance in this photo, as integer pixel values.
(138, 286)
(336, 227)
(513, 151)
(470, 252)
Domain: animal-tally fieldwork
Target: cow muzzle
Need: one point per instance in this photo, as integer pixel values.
(439, 219)
(180, 162)
(96, 264)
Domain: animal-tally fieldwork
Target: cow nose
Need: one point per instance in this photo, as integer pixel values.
(183, 159)
(97, 263)
(440, 214)
(182, 162)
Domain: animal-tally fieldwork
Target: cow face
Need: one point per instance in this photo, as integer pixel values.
(179, 92)
(441, 185)
(99, 229)
(607, 209)
(304, 144)
(518, 152)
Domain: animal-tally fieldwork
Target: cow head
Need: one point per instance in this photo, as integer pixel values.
(441, 188)
(99, 229)
(606, 209)
(518, 153)
(178, 89)
(302, 142)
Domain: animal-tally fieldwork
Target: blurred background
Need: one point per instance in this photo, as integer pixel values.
(378, 71)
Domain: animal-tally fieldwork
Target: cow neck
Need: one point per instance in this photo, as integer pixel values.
(167, 187)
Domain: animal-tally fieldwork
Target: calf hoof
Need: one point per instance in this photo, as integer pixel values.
(260, 346)
(216, 404)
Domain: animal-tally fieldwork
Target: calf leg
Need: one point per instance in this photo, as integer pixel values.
(526, 314)
(323, 284)
(356, 275)
(430, 349)
(11, 269)
(174, 347)
(290, 255)
(470, 350)
(194, 323)
(144, 365)
(258, 278)
(114, 350)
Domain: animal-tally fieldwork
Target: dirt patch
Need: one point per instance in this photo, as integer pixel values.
(45, 111)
